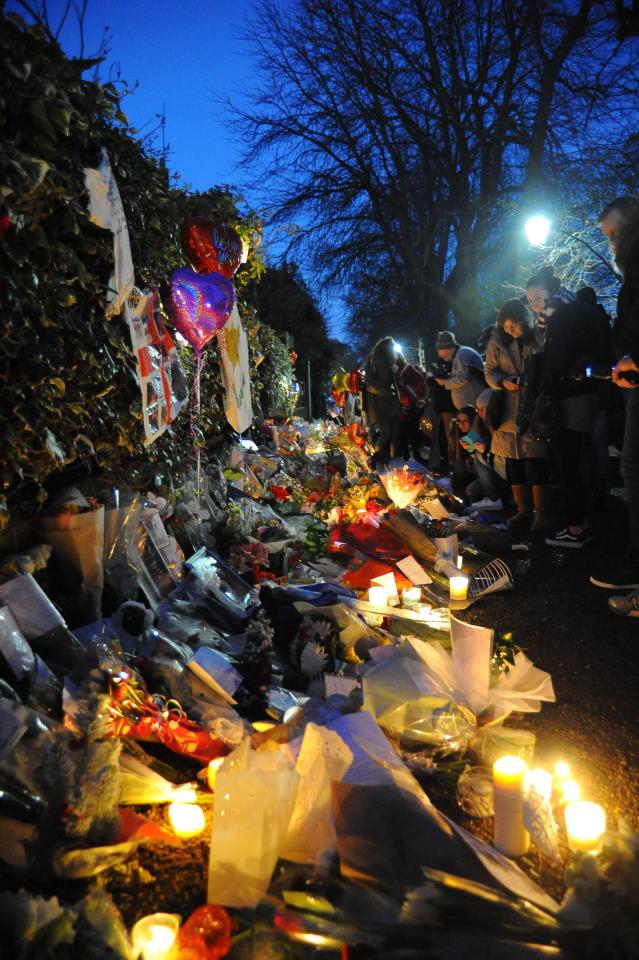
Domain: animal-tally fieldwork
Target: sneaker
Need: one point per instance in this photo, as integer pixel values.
(625, 576)
(487, 504)
(572, 540)
(625, 606)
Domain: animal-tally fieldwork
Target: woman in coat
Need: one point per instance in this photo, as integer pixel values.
(513, 341)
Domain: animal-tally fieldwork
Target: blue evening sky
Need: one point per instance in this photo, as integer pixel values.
(180, 55)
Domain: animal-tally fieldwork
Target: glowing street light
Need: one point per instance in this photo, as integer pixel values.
(537, 230)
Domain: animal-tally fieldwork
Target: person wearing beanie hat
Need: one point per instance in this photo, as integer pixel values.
(445, 340)
(466, 380)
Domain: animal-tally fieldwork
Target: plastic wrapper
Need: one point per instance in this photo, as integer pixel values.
(256, 793)
(13, 646)
(400, 694)
(475, 792)
(76, 533)
(227, 599)
(403, 485)
(540, 823)
(121, 522)
(140, 784)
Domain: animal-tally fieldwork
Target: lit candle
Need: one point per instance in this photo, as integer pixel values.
(260, 726)
(411, 597)
(585, 825)
(569, 791)
(211, 774)
(509, 780)
(378, 596)
(154, 936)
(458, 588)
(187, 819)
(541, 782)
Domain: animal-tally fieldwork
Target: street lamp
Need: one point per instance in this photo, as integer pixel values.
(537, 229)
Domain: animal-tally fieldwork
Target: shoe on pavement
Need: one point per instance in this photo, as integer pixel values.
(622, 576)
(488, 504)
(574, 541)
(627, 606)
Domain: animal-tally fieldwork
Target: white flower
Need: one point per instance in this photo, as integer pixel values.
(313, 660)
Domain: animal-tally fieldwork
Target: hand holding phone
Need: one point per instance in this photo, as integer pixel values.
(471, 439)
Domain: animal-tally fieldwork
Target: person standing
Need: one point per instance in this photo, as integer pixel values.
(466, 380)
(513, 341)
(411, 385)
(576, 336)
(383, 408)
(619, 222)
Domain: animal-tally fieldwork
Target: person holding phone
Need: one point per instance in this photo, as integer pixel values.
(513, 341)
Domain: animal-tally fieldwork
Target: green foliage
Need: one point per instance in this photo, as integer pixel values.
(68, 387)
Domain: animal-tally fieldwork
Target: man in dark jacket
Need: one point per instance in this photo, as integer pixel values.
(619, 222)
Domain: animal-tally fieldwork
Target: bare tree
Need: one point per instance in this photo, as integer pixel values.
(400, 134)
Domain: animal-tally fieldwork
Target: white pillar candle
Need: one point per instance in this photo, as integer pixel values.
(154, 937)
(458, 588)
(540, 781)
(585, 825)
(509, 780)
(187, 819)
(378, 596)
(411, 597)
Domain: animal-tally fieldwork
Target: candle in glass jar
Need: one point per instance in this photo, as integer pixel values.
(187, 819)
(154, 937)
(378, 596)
(411, 597)
(458, 588)
(585, 825)
(509, 782)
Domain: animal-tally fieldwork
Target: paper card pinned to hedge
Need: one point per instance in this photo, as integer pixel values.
(233, 346)
(216, 672)
(106, 211)
(162, 379)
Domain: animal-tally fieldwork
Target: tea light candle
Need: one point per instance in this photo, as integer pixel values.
(187, 819)
(458, 588)
(585, 825)
(411, 597)
(541, 782)
(378, 596)
(260, 726)
(154, 936)
(509, 781)
(211, 773)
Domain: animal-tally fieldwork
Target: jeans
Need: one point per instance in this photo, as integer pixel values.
(488, 479)
(630, 469)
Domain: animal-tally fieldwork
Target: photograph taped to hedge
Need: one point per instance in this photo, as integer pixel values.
(162, 379)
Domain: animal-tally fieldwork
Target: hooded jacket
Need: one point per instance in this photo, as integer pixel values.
(466, 379)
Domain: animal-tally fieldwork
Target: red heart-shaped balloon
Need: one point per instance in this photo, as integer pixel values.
(211, 247)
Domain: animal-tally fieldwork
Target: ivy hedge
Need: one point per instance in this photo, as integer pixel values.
(68, 389)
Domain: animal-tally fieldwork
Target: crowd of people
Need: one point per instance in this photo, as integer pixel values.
(532, 412)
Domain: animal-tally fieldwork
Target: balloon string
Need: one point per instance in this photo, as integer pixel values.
(194, 415)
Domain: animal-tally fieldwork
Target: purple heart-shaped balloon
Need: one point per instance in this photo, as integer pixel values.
(199, 304)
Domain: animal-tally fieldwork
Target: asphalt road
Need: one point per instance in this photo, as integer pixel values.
(565, 626)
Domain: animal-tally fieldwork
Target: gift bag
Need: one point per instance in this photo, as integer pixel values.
(255, 793)
(78, 554)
